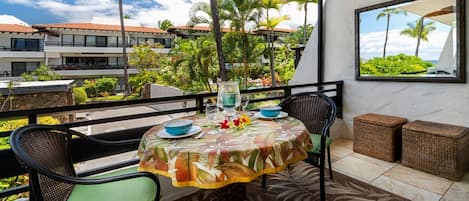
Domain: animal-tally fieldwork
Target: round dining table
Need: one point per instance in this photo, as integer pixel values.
(229, 156)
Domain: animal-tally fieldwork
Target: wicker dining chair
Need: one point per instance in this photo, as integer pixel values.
(317, 112)
(45, 152)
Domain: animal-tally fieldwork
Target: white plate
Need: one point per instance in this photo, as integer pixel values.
(279, 116)
(194, 130)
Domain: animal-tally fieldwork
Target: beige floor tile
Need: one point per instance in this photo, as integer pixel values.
(419, 179)
(459, 191)
(405, 190)
(361, 167)
(341, 148)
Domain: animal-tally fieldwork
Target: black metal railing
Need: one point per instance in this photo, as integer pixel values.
(81, 44)
(83, 151)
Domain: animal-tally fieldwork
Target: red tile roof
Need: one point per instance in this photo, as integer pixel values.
(16, 28)
(278, 30)
(196, 28)
(101, 27)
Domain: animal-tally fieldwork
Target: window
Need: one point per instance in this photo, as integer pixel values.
(18, 68)
(87, 61)
(101, 41)
(67, 40)
(79, 40)
(91, 41)
(23, 44)
(112, 41)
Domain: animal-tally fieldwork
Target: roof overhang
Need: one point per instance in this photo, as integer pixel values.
(442, 11)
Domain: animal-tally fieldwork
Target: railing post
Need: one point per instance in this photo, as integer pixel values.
(200, 104)
(32, 119)
(287, 91)
(340, 91)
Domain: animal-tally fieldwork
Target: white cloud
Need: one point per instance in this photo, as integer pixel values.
(147, 12)
(8, 19)
(371, 44)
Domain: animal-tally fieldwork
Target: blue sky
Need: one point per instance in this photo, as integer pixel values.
(372, 36)
(147, 12)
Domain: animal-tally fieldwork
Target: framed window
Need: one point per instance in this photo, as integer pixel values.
(67, 40)
(22, 44)
(90, 41)
(79, 40)
(101, 41)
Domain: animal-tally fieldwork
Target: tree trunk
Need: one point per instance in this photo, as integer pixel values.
(270, 39)
(124, 51)
(387, 35)
(217, 33)
(419, 37)
(305, 24)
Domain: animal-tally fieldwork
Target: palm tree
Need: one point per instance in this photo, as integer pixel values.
(304, 4)
(217, 34)
(165, 24)
(270, 24)
(240, 13)
(124, 51)
(419, 30)
(388, 12)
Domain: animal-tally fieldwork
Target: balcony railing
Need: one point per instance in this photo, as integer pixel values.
(83, 151)
(86, 67)
(78, 44)
(21, 49)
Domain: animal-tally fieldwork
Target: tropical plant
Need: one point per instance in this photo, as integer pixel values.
(240, 13)
(195, 58)
(295, 38)
(165, 24)
(79, 95)
(124, 50)
(41, 74)
(137, 82)
(90, 88)
(304, 5)
(419, 30)
(270, 24)
(144, 58)
(400, 64)
(285, 63)
(388, 12)
(106, 85)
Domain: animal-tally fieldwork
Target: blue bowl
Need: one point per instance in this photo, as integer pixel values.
(271, 111)
(178, 127)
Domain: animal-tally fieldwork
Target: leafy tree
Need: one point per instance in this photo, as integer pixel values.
(304, 4)
(270, 24)
(240, 13)
(400, 64)
(165, 24)
(195, 58)
(388, 12)
(295, 38)
(285, 63)
(41, 74)
(419, 30)
(144, 58)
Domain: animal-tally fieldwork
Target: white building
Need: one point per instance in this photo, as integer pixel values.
(73, 50)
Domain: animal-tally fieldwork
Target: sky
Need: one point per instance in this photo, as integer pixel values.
(147, 12)
(372, 36)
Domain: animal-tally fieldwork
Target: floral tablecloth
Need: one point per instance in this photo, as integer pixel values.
(213, 161)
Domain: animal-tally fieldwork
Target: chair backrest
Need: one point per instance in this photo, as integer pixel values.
(315, 110)
(44, 151)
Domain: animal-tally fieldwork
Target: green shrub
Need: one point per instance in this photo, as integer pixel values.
(41, 74)
(90, 88)
(106, 85)
(137, 82)
(394, 65)
(79, 94)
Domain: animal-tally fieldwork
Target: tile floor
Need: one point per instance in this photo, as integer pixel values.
(395, 178)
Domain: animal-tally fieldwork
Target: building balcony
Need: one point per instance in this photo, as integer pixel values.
(57, 46)
(6, 52)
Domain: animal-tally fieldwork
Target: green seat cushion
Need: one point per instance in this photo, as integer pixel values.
(316, 139)
(137, 189)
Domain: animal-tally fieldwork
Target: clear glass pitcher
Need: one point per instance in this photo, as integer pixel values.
(229, 97)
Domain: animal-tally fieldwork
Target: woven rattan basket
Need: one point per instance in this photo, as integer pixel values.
(436, 148)
(378, 136)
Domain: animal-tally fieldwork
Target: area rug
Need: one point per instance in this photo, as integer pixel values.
(299, 182)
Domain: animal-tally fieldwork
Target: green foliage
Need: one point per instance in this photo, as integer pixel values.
(165, 24)
(90, 88)
(80, 96)
(144, 58)
(106, 84)
(41, 74)
(296, 38)
(285, 63)
(394, 65)
(137, 82)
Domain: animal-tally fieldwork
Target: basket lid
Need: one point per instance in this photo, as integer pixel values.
(381, 120)
(439, 129)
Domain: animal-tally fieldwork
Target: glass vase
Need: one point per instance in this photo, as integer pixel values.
(229, 98)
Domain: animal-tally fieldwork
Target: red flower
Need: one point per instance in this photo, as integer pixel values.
(225, 124)
(236, 122)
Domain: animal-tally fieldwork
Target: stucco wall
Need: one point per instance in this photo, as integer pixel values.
(447, 103)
